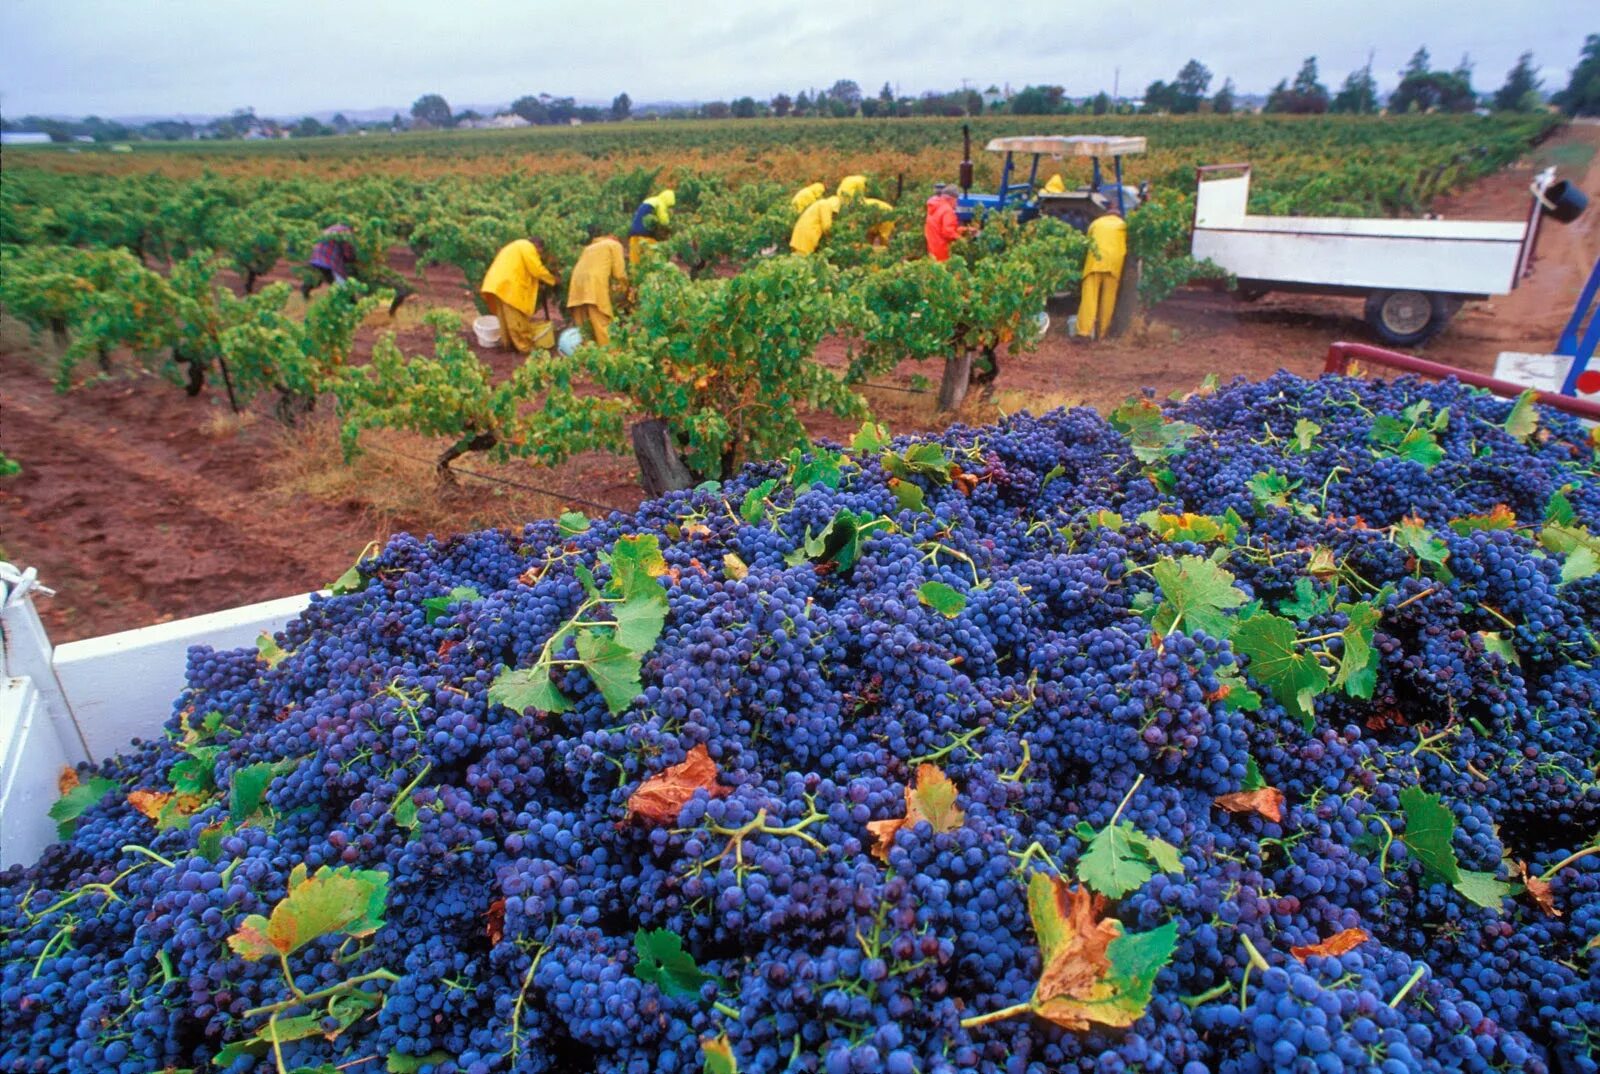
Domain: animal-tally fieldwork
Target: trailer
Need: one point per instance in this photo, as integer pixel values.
(1414, 274)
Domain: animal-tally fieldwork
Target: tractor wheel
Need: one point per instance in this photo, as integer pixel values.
(1408, 318)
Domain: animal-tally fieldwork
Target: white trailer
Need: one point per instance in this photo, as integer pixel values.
(1414, 273)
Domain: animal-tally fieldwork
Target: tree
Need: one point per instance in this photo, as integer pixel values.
(1102, 103)
(1359, 94)
(621, 107)
(974, 102)
(1424, 90)
(1223, 104)
(716, 110)
(1521, 90)
(744, 108)
(1160, 97)
(431, 110)
(1037, 100)
(847, 91)
(802, 103)
(1305, 96)
(781, 104)
(531, 109)
(886, 101)
(310, 127)
(1189, 88)
(871, 107)
(1582, 95)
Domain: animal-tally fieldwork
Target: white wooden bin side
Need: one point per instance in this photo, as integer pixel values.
(122, 686)
(32, 760)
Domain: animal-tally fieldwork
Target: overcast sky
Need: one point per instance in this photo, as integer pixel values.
(288, 57)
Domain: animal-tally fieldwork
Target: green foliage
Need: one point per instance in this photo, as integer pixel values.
(1430, 828)
(1197, 592)
(331, 902)
(663, 962)
(946, 600)
(79, 800)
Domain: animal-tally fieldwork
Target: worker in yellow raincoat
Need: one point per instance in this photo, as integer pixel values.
(852, 186)
(589, 293)
(879, 233)
(806, 195)
(1055, 185)
(650, 221)
(511, 290)
(814, 225)
(1102, 270)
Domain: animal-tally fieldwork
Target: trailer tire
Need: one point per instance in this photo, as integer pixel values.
(1408, 318)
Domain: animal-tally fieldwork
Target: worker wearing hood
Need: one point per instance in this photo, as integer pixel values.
(511, 290)
(806, 195)
(852, 186)
(814, 225)
(650, 222)
(1102, 273)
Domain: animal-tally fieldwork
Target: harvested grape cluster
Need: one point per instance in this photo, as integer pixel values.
(1254, 731)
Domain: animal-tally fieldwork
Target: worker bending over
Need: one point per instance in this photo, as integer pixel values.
(814, 224)
(511, 291)
(589, 293)
(650, 221)
(878, 234)
(852, 186)
(335, 259)
(941, 226)
(806, 195)
(1102, 270)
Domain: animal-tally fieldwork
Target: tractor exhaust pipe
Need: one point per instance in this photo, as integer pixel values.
(966, 159)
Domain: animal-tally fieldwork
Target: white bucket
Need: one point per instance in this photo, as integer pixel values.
(487, 329)
(569, 341)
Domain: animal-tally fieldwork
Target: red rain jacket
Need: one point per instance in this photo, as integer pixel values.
(941, 228)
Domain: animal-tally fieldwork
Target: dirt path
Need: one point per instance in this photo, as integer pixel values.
(138, 504)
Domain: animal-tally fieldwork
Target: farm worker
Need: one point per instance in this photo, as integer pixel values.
(941, 227)
(814, 224)
(1055, 185)
(336, 259)
(879, 233)
(852, 186)
(589, 293)
(1102, 269)
(511, 290)
(806, 195)
(650, 222)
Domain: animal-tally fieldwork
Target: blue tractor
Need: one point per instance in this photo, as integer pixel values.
(1028, 198)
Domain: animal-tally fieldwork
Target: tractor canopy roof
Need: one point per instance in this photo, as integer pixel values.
(1073, 145)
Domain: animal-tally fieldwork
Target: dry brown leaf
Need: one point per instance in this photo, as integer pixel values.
(150, 803)
(1333, 946)
(1265, 801)
(67, 779)
(495, 921)
(932, 798)
(1538, 890)
(660, 798)
(1073, 992)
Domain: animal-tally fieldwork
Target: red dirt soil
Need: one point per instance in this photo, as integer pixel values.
(138, 504)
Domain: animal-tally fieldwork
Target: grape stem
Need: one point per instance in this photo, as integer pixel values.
(1416, 975)
(1550, 873)
(309, 998)
(1125, 800)
(996, 1016)
(135, 848)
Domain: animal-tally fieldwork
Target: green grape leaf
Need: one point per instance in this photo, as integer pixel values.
(636, 563)
(1253, 779)
(345, 1010)
(870, 438)
(209, 842)
(1051, 474)
(436, 607)
(908, 494)
(330, 902)
(944, 599)
(1482, 889)
(1192, 527)
(1358, 664)
(1197, 592)
(718, 1056)
(1148, 432)
(1580, 548)
(1305, 436)
(1307, 603)
(1235, 693)
(754, 505)
(1497, 518)
(1108, 519)
(72, 805)
(613, 668)
(247, 794)
(410, 1064)
(640, 620)
(926, 459)
(1270, 489)
(272, 654)
(1119, 858)
(528, 688)
(1429, 828)
(572, 523)
(664, 963)
(1523, 421)
(1559, 509)
(196, 773)
(1497, 643)
(1417, 539)
(1293, 677)
(823, 468)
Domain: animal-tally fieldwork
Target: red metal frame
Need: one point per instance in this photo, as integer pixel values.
(1341, 354)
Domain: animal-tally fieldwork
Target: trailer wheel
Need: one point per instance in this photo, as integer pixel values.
(1407, 318)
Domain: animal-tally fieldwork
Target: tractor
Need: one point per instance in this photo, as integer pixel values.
(1029, 199)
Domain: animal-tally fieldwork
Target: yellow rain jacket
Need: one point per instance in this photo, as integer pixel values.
(881, 231)
(852, 186)
(806, 195)
(599, 264)
(814, 224)
(1109, 236)
(1102, 273)
(1054, 185)
(515, 276)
